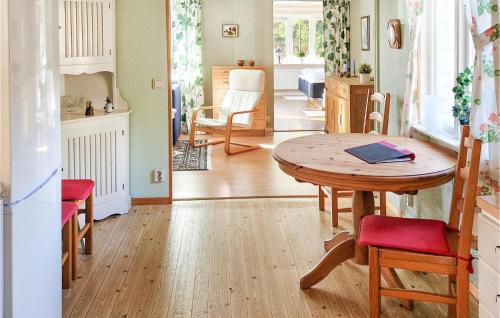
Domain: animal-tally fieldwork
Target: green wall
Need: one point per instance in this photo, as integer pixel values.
(141, 56)
(430, 203)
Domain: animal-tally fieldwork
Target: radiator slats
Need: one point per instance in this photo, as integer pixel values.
(94, 157)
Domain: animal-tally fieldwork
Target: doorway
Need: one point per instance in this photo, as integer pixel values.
(299, 66)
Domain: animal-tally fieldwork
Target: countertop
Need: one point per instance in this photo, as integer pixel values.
(79, 116)
(490, 205)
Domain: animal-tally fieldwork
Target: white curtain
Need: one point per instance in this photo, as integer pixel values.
(415, 9)
(483, 16)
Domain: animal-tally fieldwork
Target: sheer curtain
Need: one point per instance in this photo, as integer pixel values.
(187, 59)
(482, 17)
(415, 9)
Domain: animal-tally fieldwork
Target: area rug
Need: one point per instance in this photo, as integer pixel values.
(187, 158)
(314, 113)
(296, 97)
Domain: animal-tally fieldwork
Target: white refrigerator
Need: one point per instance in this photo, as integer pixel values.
(31, 159)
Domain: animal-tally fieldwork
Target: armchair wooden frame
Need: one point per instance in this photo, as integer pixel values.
(371, 116)
(459, 235)
(226, 130)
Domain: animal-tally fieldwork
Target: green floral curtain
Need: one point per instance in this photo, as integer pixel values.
(187, 60)
(483, 19)
(337, 35)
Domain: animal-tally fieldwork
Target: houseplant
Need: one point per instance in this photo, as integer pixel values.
(301, 55)
(461, 109)
(364, 73)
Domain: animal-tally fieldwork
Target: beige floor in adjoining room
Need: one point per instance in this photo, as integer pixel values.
(289, 107)
(226, 258)
(251, 174)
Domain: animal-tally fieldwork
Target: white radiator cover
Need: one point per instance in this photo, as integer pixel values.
(98, 149)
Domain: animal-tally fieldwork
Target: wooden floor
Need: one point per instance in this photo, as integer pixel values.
(289, 113)
(230, 258)
(251, 174)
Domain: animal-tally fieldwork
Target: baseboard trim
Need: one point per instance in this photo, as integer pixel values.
(151, 201)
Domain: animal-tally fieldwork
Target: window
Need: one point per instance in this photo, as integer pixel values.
(301, 38)
(298, 32)
(279, 38)
(445, 50)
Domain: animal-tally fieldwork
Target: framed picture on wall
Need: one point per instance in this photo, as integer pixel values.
(230, 30)
(365, 33)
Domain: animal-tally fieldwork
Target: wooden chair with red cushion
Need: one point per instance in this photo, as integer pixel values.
(68, 217)
(371, 117)
(81, 193)
(428, 245)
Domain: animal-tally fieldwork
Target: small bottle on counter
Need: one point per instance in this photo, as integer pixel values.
(89, 110)
(108, 107)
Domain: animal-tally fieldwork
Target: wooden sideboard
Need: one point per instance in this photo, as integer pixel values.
(345, 104)
(220, 85)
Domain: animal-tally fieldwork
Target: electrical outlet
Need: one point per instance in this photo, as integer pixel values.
(157, 83)
(159, 176)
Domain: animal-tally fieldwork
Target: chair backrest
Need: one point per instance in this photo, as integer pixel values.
(246, 88)
(372, 116)
(463, 198)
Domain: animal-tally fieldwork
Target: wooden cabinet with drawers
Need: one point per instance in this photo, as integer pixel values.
(345, 104)
(220, 85)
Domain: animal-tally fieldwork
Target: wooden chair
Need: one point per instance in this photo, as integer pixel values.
(246, 88)
(68, 218)
(80, 192)
(371, 117)
(428, 245)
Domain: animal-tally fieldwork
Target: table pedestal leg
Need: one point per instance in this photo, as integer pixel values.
(343, 246)
(335, 256)
(362, 204)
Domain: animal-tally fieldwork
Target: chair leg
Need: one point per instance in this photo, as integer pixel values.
(335, 207)
(462, 289)
(67, 254)
(192, 133)
(383, 203)
(228, 143)
(89, 219)
(452, 290)
(74, 245)
(374, 282)
(321, 199)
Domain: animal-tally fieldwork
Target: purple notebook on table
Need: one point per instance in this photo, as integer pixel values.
(381, 152)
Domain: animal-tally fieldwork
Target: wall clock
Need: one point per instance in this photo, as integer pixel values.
(394, 33)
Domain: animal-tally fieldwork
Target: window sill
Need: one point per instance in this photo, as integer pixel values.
(441, 139)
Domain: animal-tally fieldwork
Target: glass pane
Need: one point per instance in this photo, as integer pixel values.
(301, 38)
(279, 31)
(319, 38)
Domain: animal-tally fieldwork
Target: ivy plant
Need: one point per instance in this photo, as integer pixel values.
(461, 109)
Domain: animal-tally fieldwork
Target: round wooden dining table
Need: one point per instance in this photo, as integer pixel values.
(322, 160)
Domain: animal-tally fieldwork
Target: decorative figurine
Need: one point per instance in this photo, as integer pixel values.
(251, 63)
(89, 110)
(240, 62)
(108, 107)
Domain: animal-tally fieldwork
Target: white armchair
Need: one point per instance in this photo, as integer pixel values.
(246, 88)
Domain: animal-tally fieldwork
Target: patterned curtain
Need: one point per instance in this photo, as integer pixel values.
(482, 16)
(336, 35)
(187, 55)
(415, 9)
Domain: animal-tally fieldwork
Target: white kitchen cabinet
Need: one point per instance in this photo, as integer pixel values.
(86, 36)
(97, 148)
(489, 257)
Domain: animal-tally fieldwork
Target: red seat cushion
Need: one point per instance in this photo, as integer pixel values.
(68, 209)
(417, 235)
(76, 189)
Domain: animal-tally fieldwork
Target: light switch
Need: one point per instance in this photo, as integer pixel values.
(157, 84)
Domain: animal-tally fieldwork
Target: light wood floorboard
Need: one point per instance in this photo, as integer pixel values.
(226, 258)
(246, 175)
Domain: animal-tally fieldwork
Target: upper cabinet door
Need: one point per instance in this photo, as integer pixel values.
(86, 36)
